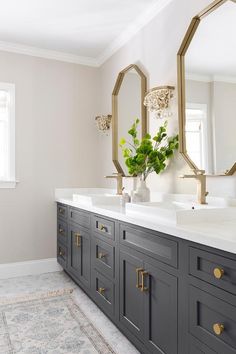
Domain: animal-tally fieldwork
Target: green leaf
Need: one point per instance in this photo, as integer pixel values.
(122, 141)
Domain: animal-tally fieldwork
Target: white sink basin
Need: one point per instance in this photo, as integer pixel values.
(178, 213)
(93, 197)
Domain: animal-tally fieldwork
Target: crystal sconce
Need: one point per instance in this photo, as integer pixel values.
(158, 100)
(103, 123)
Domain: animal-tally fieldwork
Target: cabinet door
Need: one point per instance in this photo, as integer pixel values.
(131, 298)
(79, 254)
(160, 293)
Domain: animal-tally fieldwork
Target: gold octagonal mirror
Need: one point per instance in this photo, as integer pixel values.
(207, 90)
(127, 106)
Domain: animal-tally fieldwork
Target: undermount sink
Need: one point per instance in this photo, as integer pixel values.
(93, 197)
(179, 212)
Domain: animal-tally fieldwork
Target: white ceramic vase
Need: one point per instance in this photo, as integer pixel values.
(143, 192)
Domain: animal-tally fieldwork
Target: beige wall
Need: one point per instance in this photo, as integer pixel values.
(155, 48)
(55, 141)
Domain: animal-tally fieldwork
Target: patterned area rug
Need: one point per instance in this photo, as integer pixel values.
(49, 324)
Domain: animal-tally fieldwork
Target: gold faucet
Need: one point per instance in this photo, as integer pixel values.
(119, 181)
(201, 185)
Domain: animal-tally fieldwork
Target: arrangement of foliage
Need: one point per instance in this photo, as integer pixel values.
(150, 154)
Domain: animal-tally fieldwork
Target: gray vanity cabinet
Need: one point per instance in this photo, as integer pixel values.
(79, 253)
(167, 295)
(148, 303)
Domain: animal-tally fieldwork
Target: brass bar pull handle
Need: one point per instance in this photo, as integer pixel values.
(101, 255)
(218, 328)
(101, 291)
(78, 239)
(143, 275)
(218, 273)
(103, 228)
(138, 270)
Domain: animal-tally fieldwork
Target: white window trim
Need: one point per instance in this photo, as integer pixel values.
(11, 183)
(203, 108)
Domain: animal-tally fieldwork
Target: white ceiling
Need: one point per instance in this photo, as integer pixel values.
(212, 51)
(86, 29)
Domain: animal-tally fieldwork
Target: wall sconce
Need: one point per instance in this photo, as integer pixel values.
(158, 100)
(103, 123)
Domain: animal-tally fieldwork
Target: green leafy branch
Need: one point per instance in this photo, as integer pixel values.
(150, 154)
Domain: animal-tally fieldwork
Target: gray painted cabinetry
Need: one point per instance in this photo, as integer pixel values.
(167, 295)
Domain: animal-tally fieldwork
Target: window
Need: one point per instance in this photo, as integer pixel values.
(7, 135)
(196, 134)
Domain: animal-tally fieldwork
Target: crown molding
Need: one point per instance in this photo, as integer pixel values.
(132, 30)
(47, 54)
(211, 78)
(119, 42)
(198, 77)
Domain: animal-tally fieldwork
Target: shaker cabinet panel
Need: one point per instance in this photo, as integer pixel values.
(79, 254)
(131, 298)
(212, 321)
(160, 292)
(103, 257)
(214, 269)
(151, 243)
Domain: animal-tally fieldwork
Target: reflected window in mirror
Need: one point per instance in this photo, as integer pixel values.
(196, 134)
(209, 79)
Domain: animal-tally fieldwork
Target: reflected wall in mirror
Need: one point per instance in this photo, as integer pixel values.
(127, 106)
(207, 90)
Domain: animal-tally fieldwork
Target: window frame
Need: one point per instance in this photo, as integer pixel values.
(204, 108)
(11, 181)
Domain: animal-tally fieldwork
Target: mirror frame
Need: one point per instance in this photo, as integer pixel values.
(143, 118)
(181, 84)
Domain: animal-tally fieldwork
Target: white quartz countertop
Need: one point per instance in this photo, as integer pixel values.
(220, 235)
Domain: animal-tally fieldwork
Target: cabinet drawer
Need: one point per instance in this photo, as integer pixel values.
(104, 292)
(79, 217)
(103, 256)
(62, 211)
(104, 227)
(212, 321)
(151, 244)
(196, 347)
(62, 231)
(62, 255)
(217, 270)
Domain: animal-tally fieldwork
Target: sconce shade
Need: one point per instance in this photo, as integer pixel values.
(158, 100)
(103, 123)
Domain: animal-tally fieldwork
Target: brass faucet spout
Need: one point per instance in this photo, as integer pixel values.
(201, 186)
(119, 181)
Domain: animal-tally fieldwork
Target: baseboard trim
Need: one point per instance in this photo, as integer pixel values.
(12, 270)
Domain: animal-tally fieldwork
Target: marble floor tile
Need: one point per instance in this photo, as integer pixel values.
(37, 284)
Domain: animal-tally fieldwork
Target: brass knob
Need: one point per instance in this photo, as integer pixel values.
(101, 290)
(101, 255)
(218, 329)
(61, 211)
(218, 273)
(61, 253)
(102, 227)
(61, 231)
